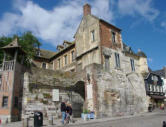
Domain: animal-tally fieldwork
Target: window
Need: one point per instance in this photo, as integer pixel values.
(72, 55)
(65, 59)
(59, 63)
(132, 65)
(151, 87)
(16, 102)
(44, 65)
(107, 63)
(0, 80)
(117, 60)
(5, 101)
(113, 37)
(93, 35)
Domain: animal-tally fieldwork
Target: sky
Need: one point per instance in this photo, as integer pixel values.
(143, 22)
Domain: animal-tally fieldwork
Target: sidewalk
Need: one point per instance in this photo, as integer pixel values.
(79, 121)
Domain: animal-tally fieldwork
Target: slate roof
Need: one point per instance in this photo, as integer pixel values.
(46, 54)
(63, 50)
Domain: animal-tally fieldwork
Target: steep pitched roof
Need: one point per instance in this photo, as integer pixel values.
(13, 44)
(99, 19)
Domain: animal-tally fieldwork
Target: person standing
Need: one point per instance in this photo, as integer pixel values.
(69, 112)
(63, 111)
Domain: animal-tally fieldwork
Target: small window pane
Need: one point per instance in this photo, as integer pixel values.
(113, 37)
(5, 101)
(93, 35)
(132, 65)
(117, 60)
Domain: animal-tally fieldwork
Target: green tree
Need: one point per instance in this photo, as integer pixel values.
(28, 42)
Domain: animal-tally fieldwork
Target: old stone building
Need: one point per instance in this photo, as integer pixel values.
(109, 71)
(99, 43)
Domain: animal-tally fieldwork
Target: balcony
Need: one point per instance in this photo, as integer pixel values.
(8, 65)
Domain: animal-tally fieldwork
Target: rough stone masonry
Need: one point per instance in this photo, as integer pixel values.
(116, 93)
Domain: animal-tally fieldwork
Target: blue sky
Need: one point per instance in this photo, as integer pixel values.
(143, 22)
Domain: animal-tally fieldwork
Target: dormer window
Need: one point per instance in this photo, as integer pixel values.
(93, 35)
(65, 45)
(113, 37)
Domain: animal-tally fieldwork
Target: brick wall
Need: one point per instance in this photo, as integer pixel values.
(106, 36)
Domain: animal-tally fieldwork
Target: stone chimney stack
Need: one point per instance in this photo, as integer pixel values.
(164, 68)
(87, 9)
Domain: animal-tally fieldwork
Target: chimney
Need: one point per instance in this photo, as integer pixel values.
(87, 9)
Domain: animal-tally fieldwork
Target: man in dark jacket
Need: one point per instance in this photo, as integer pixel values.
(63, 111)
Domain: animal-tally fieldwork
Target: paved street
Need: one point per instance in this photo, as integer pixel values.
(144, 120)
(139, 121)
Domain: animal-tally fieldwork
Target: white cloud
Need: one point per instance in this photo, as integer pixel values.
(52, 26)
(138, 7)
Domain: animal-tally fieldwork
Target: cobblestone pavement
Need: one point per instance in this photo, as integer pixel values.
(143, 120)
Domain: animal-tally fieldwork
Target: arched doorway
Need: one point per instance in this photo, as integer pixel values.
(78, 101)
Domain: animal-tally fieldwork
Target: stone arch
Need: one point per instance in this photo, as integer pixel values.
(77, 106)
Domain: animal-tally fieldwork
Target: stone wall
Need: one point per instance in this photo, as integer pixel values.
(86, 48)
(37, 92)
(117, 93)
